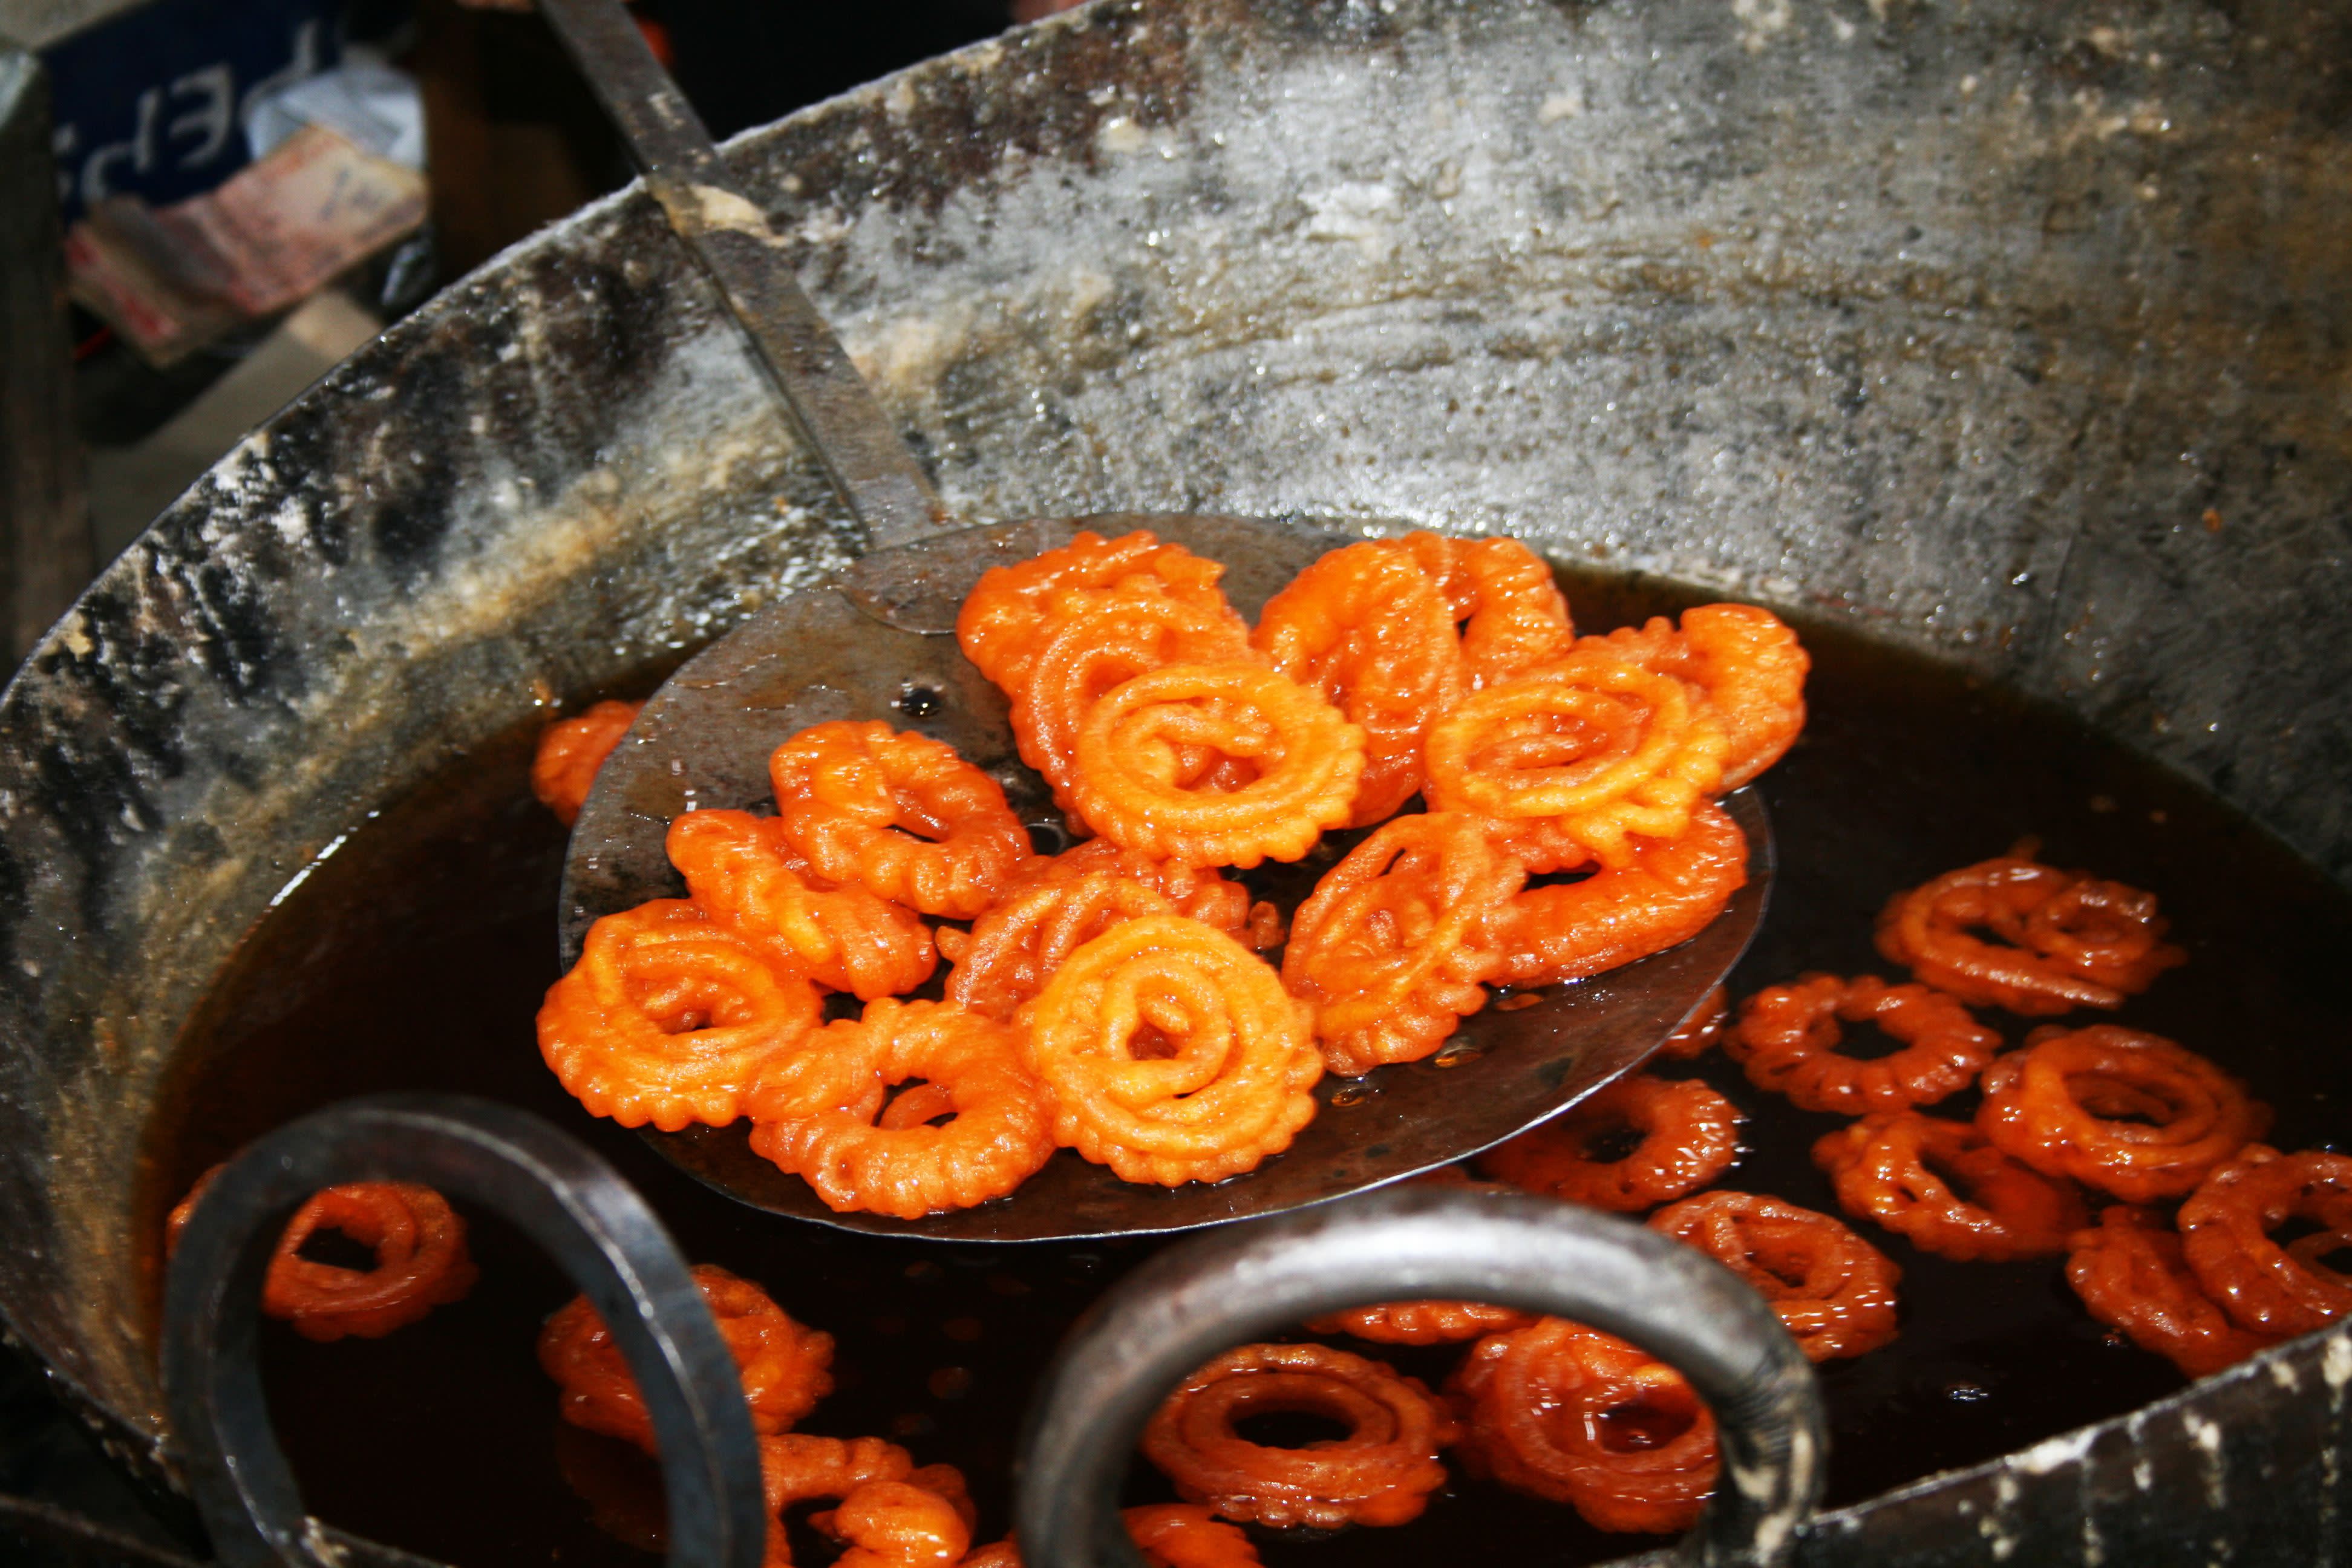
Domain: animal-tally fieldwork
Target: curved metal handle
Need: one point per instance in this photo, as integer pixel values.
(594, 1226)
(1231, 1286)
(878, 477)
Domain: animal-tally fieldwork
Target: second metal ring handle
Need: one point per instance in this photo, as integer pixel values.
(1409, 1243)
(593, 1224)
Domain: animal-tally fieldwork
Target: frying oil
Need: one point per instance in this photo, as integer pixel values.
(416, 957)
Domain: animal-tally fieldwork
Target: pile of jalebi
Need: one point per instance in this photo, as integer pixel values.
(1564, 1411)
(1110, 999)
(889, 1511)
(2138, 1120)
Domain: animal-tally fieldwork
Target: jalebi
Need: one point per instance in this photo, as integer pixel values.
(1901, 1169)
(1171, 1054)
(2130, 1113)
(796, 1468)
(1137, 786)
(1834, 1292)
(670, 1015)
(1421, 1323)
(1061, 903)
(1748, 664)
(2265, 1285)
(1000, 624)
(1395, 943)
(739, 870)
(1682, 1135)
(1096, 641)
(1701, 1030)
(1380, 1472)
(1426, 1323)
(1667, 894)
(900, 813)
(1598, 749)
(2062, 938)
(814, 1114)
(1788, 1038)
(1186, 1535)
(1367, 627)
(421, 1260)
(1502, 594)
(570, 751)
(2129, 1272)
(1577, 1417)
(1169, 1534)
(785, 1367)
(896, 1524)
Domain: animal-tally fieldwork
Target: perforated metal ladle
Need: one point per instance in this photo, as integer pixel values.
(875, 643)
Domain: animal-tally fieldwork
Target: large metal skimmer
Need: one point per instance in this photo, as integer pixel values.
(876, 643)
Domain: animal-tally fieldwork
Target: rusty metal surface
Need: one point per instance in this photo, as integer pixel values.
(2018, 332)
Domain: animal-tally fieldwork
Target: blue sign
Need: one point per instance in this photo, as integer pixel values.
(153, 102)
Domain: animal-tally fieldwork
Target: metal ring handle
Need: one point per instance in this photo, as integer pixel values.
(593, 1224)
(1407, 1243)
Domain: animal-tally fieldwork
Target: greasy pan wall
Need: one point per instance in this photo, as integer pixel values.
(2020, 332)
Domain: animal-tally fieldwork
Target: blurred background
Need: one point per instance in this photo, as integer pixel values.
(205, 204)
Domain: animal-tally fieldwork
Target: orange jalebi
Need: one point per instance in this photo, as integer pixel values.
(1367, 627)
(1592, 748)
(1683, 1136)
(570, 752)
(1380, 1472)
(1001, 620)
(1070, 900)
(1501, 593)
(1901, 1169)
(1788, 1038)
(1426, 1323)
(1701, 1030)
(1577, 1417)
(1421, 1323)
(670, 1015)
(739, 870)
(796, 1468)
(1667, 894)
(2129, 1272)
(785, 1367)
(1169, 1534)
(421, 1260)
(1395, 943)
(896, 1524)
(1171, 1054)
(1834, 1292)
(1186, 1535)
(1748, 664)
(2128, 1114)
(1138, 785)
(1094, 642)
(2263, 1284)
(898, 812)
(947, 1482)
(2063, 939)
(814, 1114)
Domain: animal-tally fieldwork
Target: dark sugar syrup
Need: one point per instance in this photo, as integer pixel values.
(414, 958)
